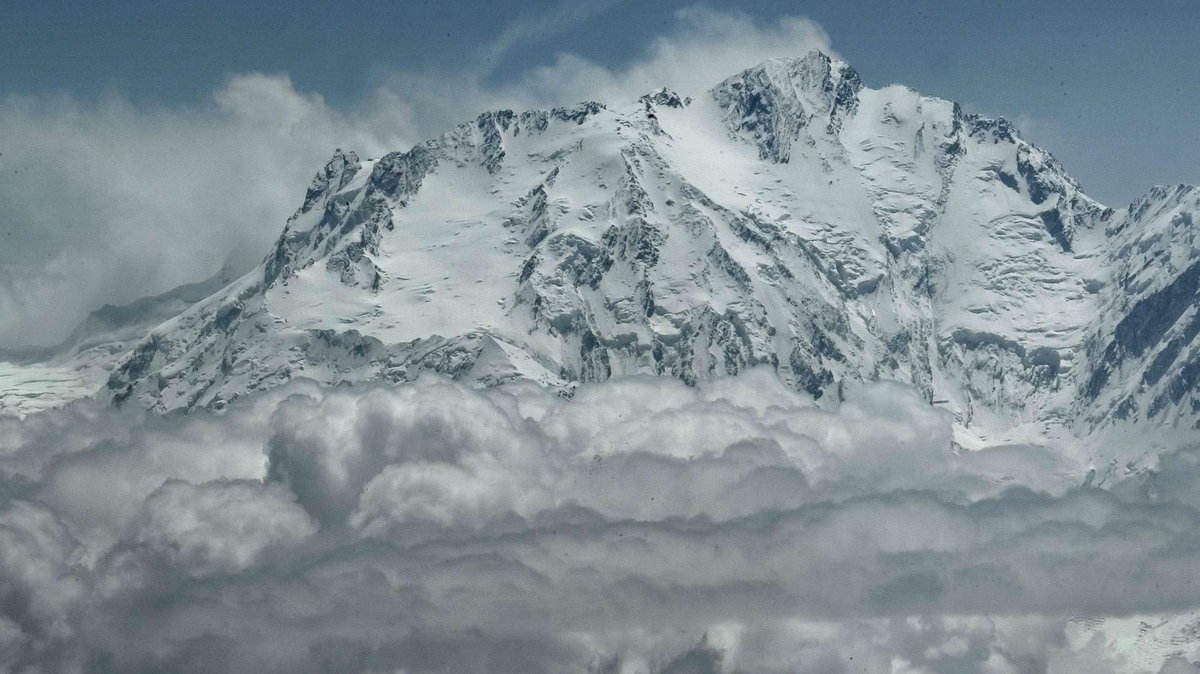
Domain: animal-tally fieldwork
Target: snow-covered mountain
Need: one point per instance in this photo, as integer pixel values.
(789, 217)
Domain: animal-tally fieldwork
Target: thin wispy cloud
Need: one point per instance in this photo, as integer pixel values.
(542, 26)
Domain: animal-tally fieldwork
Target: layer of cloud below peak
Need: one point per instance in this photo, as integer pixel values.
(642, 527)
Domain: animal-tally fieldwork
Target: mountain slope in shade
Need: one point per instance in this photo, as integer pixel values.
(790, 218)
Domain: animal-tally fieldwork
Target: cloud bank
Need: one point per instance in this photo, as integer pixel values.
(643, 526)
(107, 201)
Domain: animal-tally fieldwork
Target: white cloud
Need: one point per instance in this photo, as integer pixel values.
(702, 47)
(643, 526)
(109, 201)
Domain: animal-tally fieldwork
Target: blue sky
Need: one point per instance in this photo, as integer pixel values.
(145, 144)
(1107, 86)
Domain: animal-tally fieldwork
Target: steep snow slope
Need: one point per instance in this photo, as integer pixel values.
(1143, 354)
(788, 217)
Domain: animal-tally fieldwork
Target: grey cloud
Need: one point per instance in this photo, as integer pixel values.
(220, 528)
(41, 583)
(641, 527)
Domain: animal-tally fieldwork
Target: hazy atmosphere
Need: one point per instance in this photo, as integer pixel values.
(600, 338)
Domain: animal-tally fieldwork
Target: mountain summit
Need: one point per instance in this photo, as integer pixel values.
(790, 217)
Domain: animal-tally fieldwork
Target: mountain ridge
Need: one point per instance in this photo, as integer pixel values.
(791, 218)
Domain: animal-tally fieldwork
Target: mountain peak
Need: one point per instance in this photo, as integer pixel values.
(877, 234)
(664, 96)
(774, 102)
(815, 71)
(338, 171)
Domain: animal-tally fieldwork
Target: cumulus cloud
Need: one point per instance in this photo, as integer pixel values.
(109, 201)
(219, 527)
(643, 526)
